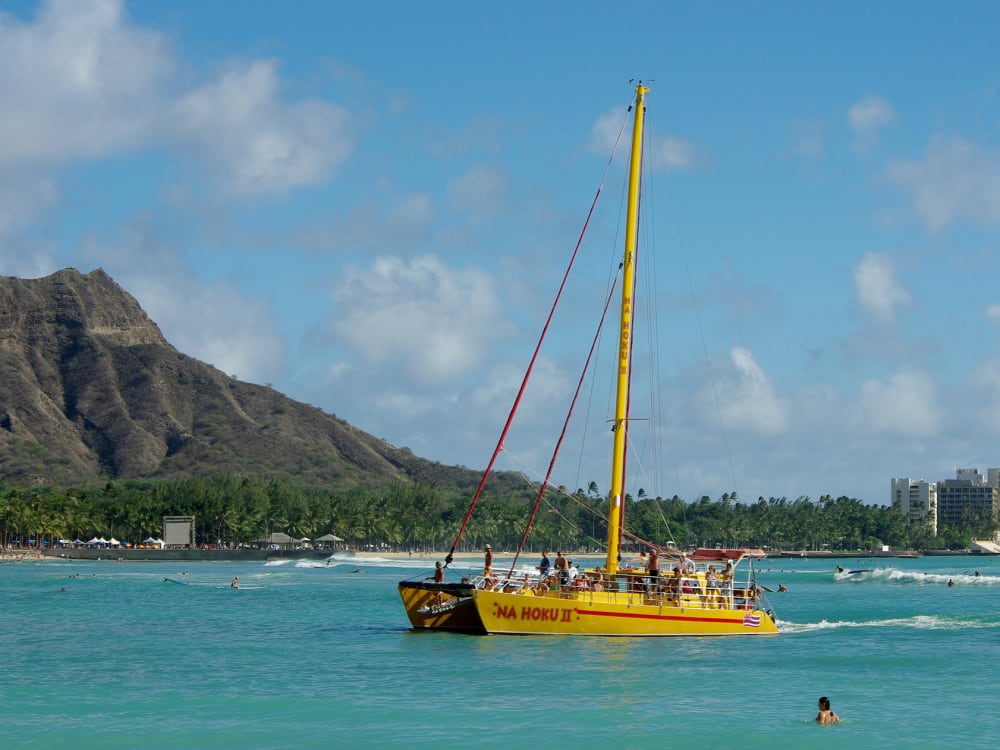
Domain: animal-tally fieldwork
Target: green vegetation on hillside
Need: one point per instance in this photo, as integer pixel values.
(405, 516)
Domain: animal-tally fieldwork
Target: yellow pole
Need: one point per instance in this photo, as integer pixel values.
(617, 492)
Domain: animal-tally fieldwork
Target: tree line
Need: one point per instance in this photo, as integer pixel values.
(234, 510)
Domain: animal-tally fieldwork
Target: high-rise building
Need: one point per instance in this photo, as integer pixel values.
(969, 497)
(917, 500)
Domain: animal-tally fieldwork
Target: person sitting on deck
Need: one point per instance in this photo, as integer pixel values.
(674, 586)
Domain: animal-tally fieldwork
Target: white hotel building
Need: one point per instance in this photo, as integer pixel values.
(950, 500)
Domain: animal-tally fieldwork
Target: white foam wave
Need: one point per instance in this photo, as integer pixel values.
(895, 575)
(917, 622)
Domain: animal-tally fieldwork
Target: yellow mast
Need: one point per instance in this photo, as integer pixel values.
(617, 492)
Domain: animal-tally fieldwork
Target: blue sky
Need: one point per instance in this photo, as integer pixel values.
(368, 206)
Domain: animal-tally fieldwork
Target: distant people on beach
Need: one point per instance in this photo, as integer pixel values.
(825, 715)
(236, 583)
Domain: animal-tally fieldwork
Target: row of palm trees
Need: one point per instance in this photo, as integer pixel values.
(232, 510)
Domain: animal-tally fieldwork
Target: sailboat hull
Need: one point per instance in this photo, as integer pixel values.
(613, 613)
(440, 606)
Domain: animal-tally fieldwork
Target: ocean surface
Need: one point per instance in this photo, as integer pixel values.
(308, 655)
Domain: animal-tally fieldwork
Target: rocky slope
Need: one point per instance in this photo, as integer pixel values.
(90, 390)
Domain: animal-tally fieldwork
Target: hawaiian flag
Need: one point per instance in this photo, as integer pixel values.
(751, 620)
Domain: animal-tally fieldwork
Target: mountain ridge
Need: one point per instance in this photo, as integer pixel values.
(90, 390)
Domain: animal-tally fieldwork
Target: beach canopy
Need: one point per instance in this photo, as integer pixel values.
(329, 538)
(114, 542)
(98, 540)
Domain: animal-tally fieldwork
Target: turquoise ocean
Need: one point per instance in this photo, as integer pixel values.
(307, 655)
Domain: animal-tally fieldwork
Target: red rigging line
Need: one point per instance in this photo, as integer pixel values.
(527, 377)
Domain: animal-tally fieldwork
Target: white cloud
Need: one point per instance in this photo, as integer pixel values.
(993, 312)
(750, 402)
(867, 117)
(78, 83)
(431, 323)
(82, 82)
(879, 291)
(956, 180)
(905, 405)
(263, 145)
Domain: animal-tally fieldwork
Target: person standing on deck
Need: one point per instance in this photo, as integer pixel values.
(544, 566)
(488, 563)
(562, 569)
(653, 571)
(438, 572)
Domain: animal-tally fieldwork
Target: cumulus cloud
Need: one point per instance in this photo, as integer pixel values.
(430, 322)
(662, 153)
(78, 83)
(955, 180)
(239, 123)
(906, 404)
(879, 291)
(751, 401)
(82, 82)
(867, 118)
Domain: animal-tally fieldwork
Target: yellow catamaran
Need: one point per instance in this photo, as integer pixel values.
(709, 592)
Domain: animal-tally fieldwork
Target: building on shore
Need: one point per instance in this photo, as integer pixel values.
(970, 496)
(917, 500)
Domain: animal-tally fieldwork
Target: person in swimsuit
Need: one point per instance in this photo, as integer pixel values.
(236, 583)
(825, 715)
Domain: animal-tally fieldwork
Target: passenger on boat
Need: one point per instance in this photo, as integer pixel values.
(712, 597)
(488, 563)
(653, 572)
(562, 569)
(674, 586)
(825, 715)
(544, 566)
(438, 572)
(598, 583)
(573, 572)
